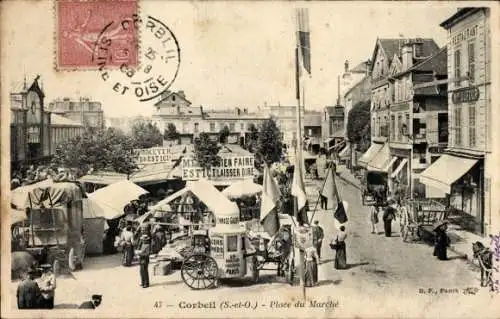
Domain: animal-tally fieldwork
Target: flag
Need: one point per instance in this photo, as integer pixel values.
(299, 190)
(333, 200)
(270, 196)
(303, 40)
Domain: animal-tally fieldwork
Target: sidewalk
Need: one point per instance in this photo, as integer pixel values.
(461, 240)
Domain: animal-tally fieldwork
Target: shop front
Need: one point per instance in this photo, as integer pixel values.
(460, 180)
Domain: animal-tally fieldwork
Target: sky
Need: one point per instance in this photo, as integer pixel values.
(233, 54)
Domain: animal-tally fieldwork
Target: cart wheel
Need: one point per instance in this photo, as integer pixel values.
(71, 259)
(290, 272)
(199, 272)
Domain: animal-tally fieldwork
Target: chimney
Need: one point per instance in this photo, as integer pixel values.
(407, 55)
(181, 93)
(346, 66)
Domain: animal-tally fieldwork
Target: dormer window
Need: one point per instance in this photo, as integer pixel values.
(417, 47)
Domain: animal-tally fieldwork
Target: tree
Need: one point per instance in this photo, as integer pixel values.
(171, 132)
(268, 149)
(251, 138)
(100, 149)
(358, 125)
(206, 151)
(223, 134)
(145, 135)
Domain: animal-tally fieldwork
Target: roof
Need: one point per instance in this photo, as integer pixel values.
(57, 120)
(361, 67)
(163, 98)
(459, 15)
(430, 91)
(234, 116)
(438, 63)
(391, 47)
(312, 119)
(114, 197)
(362, 81)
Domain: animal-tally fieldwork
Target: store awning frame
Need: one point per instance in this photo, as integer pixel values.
(369, 154)
(445, 171)
(380, 161)
(345, 153)
(400, 167)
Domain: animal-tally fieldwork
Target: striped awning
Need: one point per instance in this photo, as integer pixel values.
(345, 152)
(400, 167)
(445, 171)
(369, 154)
(381, 160)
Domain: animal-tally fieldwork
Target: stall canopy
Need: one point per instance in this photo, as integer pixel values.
(206, 193)
(345, 152)
(46, 193)
(369, 154)
(17, 216)
(445, 171)
(382, 161)
(400, 167)
(242, 188)
(114, 197)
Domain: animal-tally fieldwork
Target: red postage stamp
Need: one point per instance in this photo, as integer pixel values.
(81, 24)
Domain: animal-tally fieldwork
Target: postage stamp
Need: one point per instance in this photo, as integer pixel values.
(80, 24)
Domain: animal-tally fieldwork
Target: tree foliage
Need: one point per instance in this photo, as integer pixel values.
(251, 138)
(358, 125)
(206, 151)
(146, 135)
(223, 134)
(99, 149)
(171, 132)
(268, 149)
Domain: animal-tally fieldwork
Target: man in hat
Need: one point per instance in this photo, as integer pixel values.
(92, 304)
(143, 252)
(48, 286)
(318, 236)
(28, 292)
(388, 217)
(127, 238)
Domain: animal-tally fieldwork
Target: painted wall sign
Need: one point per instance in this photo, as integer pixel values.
(234, 167)
(464, 35)
(158, 154)
(469, 94)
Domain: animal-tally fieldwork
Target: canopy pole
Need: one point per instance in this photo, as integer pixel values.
(31, 221)
(319, 197)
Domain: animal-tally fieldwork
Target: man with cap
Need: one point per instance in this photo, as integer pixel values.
(318, 236)
(47, 285)
(143, 252)
(388, 216)
(28, 292)
(92, 304)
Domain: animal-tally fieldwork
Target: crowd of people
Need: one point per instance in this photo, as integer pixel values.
(30, 174)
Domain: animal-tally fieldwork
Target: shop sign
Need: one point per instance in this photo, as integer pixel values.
(158, 154)
(435, 149)
(217, 246)
(228, 220)
(33, 134)
(235, 167)
(470, 94)
(464, 35)
(233, 265)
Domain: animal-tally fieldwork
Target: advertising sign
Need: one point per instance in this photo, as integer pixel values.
(230, 167)
(302, 237)
(158, 154)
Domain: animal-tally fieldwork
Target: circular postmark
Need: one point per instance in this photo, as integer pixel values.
(146, 75)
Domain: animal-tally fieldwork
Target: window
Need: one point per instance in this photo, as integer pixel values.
(232, 243)
(393, 127)
(407, 122)
(456, 60)
(418, 49)
(472, 62)
(472, 126)
(196, 125)
(458, 126)
(443, 128)
(173, 97)
(232, 127)
(212, 127)
(242, 127)
(400, 122)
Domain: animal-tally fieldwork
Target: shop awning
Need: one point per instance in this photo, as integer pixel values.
(380, 162)
(369, 154)
(445, 171)
(345, 152)
(337, 146)
(399, 168)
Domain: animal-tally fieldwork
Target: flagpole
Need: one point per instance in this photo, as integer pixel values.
(319, 196)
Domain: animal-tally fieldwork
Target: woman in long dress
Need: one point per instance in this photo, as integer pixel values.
(340, 253)
(311, 269)
(442, 242)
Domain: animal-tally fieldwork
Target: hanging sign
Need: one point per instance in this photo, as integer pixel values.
(158, 154)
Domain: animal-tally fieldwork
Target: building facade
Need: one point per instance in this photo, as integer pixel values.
(89, 113)
(468, 184)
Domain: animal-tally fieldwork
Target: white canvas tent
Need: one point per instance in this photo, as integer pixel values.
(207, 194)
(113, 198)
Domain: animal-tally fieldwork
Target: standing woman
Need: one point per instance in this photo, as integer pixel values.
(339, 245)
(311, 269)
(442, 241)
(374, 218)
